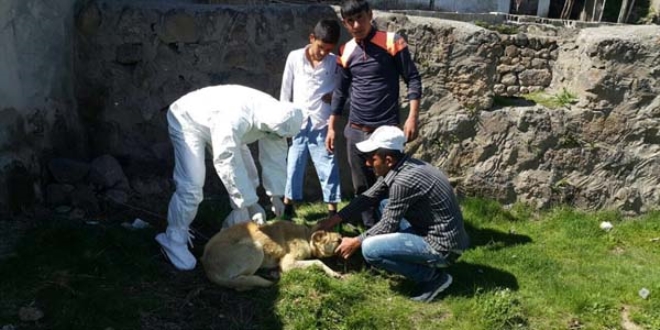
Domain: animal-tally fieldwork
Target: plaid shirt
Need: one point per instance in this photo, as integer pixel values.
(422, 194)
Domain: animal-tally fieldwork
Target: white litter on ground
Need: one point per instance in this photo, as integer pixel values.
(137, 224)
(606, 225)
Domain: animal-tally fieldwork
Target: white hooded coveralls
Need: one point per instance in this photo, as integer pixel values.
(228, 118)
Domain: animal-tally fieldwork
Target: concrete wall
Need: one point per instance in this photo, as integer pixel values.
(37, 108)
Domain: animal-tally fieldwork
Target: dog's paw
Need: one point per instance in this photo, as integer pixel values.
(336, 275)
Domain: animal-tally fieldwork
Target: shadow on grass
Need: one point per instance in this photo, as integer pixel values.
(103, 276)
(469, 280)
(494, 239)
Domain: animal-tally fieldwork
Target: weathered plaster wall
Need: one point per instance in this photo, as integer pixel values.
(37, 108)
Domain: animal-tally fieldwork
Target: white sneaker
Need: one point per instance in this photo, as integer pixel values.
(177, 253)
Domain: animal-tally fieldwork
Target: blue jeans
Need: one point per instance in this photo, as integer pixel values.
(404, 253)
(312, 142)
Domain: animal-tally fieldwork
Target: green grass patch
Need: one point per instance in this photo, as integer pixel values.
(560, 99)
(525, 270)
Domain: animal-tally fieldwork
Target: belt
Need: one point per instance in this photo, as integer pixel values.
(363, 128)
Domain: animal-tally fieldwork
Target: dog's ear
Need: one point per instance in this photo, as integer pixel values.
(318, 236)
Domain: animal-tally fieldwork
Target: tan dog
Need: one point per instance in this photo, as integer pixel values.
(233, 255)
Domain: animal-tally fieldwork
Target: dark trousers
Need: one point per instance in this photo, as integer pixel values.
(362, 176)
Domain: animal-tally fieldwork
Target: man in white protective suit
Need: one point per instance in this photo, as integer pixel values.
(225, 118)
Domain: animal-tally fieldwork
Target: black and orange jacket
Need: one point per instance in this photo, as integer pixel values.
(370, 77)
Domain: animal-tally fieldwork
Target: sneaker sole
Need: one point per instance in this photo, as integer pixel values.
(441, 288)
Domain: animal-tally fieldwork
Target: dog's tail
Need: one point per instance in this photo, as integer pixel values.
(240, 282)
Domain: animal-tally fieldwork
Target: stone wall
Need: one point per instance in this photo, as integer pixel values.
(476, 64)
(133, 60)
(481, 6)
(525, 65)
(602, 152)
(37, 107)
(452, 57)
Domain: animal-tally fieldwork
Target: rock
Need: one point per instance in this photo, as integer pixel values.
(512, 90)
(150, 185)
(66, 170)
(521, 40)
(179, 27)
(30, 314)
(129, 53)
(89, 19)
(63, 209)
(107, 173)
(509, 79)
(77, 214)
(511, 51)
(58, 194)
(84, 197)
(539, 63)
(599, 66)
(535, 77)
(117, 196)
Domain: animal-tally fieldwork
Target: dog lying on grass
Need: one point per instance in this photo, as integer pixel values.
(233, 256)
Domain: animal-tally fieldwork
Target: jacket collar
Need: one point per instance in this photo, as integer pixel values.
(389, 177)
(369, 36)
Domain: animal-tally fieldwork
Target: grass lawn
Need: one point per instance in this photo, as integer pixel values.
(554, 270)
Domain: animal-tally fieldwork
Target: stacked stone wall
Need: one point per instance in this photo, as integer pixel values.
(525, 66)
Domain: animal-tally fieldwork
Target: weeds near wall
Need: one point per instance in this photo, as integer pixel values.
(561, 99)
(564, 98)
(501, 28)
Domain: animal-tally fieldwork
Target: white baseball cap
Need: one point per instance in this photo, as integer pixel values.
(386, 137)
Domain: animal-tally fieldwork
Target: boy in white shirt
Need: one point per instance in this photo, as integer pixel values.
(310, 76)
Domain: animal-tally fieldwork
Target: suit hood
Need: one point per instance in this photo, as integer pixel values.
(283, 119)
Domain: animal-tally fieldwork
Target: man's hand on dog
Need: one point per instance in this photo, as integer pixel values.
(328, 223)
(348, 246)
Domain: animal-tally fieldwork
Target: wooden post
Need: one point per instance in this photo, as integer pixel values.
(630, 9)
(568, 8)
(623, 11)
